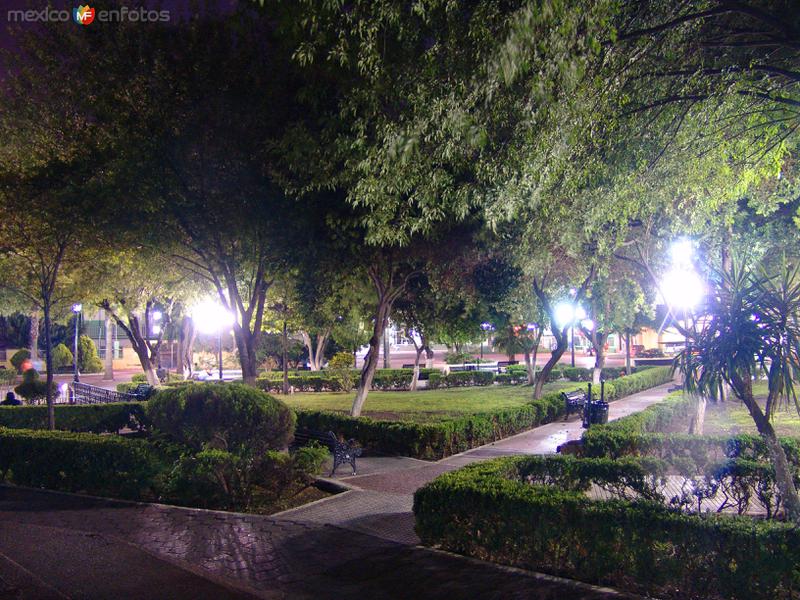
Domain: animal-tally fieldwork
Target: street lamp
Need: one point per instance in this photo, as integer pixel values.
(76, 308)
(485, 327)
(569, 312)
(210, 317)
(682, 287)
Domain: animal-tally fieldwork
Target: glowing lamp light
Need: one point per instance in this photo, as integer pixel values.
(567, 313)
(588, 324)
(156, 329)
(77, 307)
(157, 315)
(682, 289)
(210, 317)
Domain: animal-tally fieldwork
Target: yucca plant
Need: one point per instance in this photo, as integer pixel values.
(751, 329)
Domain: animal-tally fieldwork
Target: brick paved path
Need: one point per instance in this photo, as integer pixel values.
(275, 558)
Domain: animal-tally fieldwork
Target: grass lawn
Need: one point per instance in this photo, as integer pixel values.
(731, 418)
(425, 405)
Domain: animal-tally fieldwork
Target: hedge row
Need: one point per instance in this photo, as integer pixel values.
(460, 379)
(319, 381)
(106, 465)
(440, 439)
(639, 435)
(488, 511)
(94, 418)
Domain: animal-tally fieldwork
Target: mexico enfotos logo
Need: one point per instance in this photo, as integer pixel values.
(85, 15)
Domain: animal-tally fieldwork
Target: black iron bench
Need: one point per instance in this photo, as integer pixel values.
(408, 366)
(343, 452)
(574, 402)
(142, 391)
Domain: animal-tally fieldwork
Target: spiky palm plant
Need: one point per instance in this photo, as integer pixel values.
(751, 328)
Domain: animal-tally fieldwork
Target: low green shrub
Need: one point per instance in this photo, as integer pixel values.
(460, 379)
(339, 369)
(233, 417)
(62, 357)
(302, 383)
(7, 376)
(105, 465)
(490, 511)
(88, 358)
(94, 418)
(458, 358)
(33, 388)
(19, 357)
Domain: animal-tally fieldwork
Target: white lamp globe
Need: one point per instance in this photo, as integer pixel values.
(211, 317)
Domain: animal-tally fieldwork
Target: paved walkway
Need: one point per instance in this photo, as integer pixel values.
(358, 544)
(381, 499)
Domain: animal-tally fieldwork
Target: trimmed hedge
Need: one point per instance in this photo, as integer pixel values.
(460, 379)
(440, 439)
(94, 418)
(487, 510)
(103, 465)
(387, 380)
(638, 435)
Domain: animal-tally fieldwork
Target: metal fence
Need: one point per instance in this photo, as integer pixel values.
(83, 393)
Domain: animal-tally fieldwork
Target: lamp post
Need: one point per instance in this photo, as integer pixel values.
(210, 317)
(569, 312)
(76, 308)
(485, 327)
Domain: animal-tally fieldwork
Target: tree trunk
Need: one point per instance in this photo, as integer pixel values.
(48, 348)
(628, 353)
(245, 344)
(415, 377)
(34, 336)
(599, 361)
(108, 365)
(285, 360)
(556, 355)
(387, 359)
(783, 474)
(529, 368)
(316, 351)
(428, 357)
(698, 420)
(371, 359)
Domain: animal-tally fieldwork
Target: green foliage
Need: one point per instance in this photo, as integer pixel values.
(501, 511)
(439, 439)
(457, 358)
(33, 388)
(232, 417)
(340, 368)
(105, 465)
(305, 381)
(460, 379)
(88, 358)
(62, 357)
(7, 376)
(94, 418)
(19, 357)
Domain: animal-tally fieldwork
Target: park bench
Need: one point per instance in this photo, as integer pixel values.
(574, 402)
(142, 391)
(408, 366)
(343, 452)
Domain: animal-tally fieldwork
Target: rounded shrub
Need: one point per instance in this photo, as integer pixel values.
(232, 417)
(62, 357)
(19, 357)
(33, 388)
(88, 358)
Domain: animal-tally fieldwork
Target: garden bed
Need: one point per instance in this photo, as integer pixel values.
(534, 513)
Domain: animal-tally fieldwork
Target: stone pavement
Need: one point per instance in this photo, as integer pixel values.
(81, 547)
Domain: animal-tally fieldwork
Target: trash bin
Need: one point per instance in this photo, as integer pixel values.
(598, 413)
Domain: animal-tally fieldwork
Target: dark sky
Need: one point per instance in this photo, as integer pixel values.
(179, 9)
